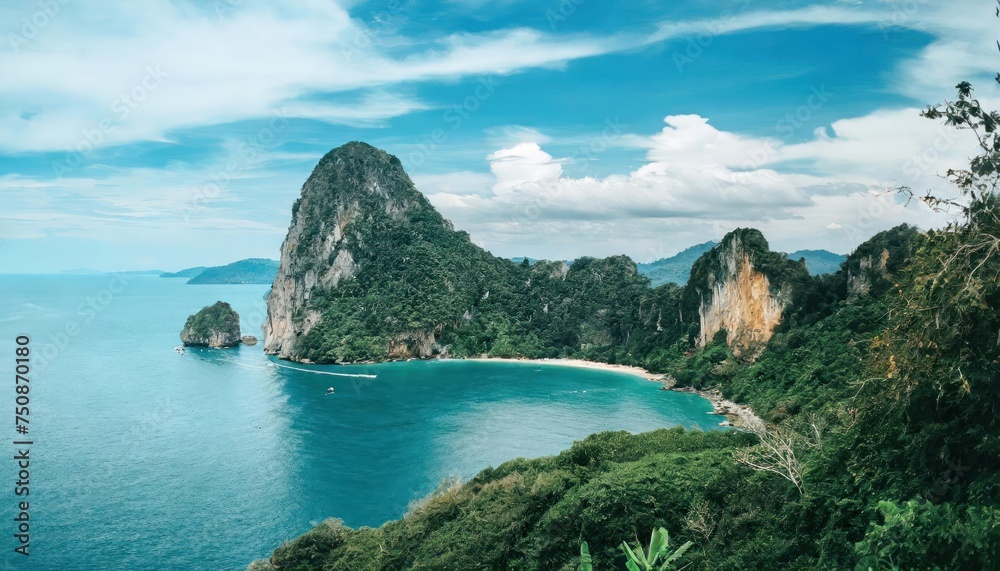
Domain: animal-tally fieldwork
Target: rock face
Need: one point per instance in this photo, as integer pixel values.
(362, 239)
(743, 288)
(370, 271)
(249, 340)
(216, 325)
(869, 269)
(418, 344)
(329, 203)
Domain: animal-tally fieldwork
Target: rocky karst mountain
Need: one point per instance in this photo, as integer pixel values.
(216, 325)
(743, 288)
(370, 270)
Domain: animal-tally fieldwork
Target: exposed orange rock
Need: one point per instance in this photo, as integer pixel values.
(741, 303)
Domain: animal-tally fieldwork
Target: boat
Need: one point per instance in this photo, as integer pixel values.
(179, 349)
(329, 391)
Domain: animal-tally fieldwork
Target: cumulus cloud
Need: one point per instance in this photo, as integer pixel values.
(696, 182)
(169, 65)
(525, 163)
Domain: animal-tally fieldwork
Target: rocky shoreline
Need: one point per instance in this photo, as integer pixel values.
(737, 415)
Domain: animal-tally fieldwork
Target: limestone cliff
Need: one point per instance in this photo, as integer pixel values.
(315, 253)
(869, 269)
(743, 288)
(369, 270)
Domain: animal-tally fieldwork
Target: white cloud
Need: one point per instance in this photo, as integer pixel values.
(521, 164)
(80, 69)
(696, 184)
(689, 139)
(454, 183)
(193, 68)
(731, 20)
(162, 66)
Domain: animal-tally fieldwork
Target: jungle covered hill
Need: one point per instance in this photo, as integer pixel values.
(370, 271)
(881, 453)
(879, 385)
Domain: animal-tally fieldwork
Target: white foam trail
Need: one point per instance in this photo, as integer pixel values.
(326, 372)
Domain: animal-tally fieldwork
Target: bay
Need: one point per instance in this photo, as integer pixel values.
(144, 458)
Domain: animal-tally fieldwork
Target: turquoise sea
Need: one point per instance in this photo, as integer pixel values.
(144, 458)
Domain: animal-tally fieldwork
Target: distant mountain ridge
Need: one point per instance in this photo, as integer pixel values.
(248, 271)
(819, 262)
(677, 268)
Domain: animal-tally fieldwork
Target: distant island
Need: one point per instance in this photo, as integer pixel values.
(248, 271)
(188, 273)
(216, 325)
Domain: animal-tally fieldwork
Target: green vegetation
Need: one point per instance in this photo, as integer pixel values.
(249, 271)
(880, 388)
(216, 325)
(658, 547)
(922, 535)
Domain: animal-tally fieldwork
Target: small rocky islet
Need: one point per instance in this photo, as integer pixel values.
(216, 326)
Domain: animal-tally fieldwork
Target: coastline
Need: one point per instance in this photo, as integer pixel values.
(737, 415)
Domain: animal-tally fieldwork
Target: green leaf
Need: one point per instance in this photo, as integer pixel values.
(586, 562)
(658, 542)
(676, 555)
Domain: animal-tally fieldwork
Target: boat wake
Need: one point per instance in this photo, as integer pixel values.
(356, 375)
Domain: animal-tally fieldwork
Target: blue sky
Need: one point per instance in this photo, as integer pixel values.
(168, 134)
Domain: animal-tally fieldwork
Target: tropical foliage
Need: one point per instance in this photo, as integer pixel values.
(880, 388)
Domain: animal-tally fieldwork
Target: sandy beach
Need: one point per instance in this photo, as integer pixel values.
(739, 415)
(638, 371)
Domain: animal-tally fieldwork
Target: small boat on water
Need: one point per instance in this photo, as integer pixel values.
(179, 349)
(329, 391)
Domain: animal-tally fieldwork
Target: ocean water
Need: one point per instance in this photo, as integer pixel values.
(143, 458)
